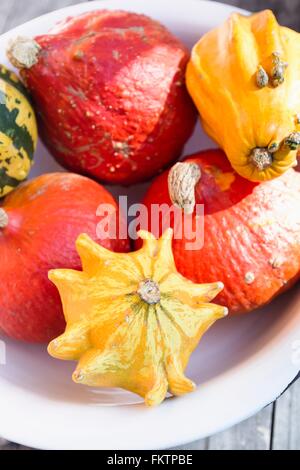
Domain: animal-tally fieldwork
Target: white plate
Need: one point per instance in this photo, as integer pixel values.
(241, 365)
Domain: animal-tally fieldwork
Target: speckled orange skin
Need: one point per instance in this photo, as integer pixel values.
(248, 228)
(46, 215)
(110, 91)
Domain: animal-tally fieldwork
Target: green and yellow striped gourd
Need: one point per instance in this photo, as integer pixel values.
(18, 131)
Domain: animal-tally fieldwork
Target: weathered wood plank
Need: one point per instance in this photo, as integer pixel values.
(287, 12)
(5, 7)
(252, 434)
(202, 444)
(286, 426)
(18, 14)
(5, 445)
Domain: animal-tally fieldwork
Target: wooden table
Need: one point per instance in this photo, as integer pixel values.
(278, 425)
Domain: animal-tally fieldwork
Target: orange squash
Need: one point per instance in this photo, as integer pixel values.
(251, 231)
(244, 77)
(39, 223)
(132, 320)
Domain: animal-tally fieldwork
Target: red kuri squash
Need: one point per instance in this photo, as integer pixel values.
(110, 92)
(251, 231)
(39, 223)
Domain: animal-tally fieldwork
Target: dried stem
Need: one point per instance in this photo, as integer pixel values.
(182, 180)
(23, 52)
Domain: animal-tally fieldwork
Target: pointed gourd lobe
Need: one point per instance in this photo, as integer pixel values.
(130, 330)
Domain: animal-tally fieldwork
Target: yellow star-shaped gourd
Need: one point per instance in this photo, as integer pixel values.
(132, 319)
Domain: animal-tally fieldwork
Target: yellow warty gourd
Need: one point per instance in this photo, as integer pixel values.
(244, 77)
(132, 320)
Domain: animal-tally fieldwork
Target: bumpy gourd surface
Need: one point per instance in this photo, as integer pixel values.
(244, 77)
(18, 132)
(110, 90)
(132, 320)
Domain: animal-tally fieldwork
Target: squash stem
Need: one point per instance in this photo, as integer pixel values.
(23, 52)
(149, 291)
(182, 180)
(293, 141)
(261, 158)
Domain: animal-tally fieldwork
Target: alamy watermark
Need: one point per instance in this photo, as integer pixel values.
(130, 219)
